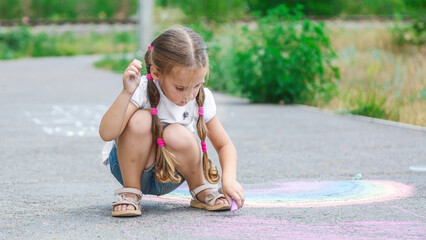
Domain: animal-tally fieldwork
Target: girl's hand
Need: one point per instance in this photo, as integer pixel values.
(132, 76)
(233, 190)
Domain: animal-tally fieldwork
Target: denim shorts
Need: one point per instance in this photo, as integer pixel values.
(149, 185)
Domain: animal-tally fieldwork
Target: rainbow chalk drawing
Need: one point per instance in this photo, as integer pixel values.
(243, 227)
(303, 194)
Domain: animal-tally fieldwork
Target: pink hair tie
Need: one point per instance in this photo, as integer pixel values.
(149, 76)
(201, 111)
(160, 142)
(154, 111)
(149, 47)
(204, 146)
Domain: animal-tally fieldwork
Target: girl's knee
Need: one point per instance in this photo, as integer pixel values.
(139, 123)
(178, 137)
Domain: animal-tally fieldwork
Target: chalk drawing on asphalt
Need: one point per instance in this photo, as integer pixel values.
(247, 227)
(69, 120)
(302, 194)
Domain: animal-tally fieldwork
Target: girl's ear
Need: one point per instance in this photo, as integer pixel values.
(155, 73)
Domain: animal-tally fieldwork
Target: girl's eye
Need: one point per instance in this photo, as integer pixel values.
(180, 89)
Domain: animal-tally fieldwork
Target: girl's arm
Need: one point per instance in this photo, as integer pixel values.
(117, 116)
(115, 119)
(228, 161)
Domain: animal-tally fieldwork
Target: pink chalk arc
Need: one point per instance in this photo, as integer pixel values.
(304, 194)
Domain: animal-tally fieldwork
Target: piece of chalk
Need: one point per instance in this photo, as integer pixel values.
(234, 206)
(358, 176)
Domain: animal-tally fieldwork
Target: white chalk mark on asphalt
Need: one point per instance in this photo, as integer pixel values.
(69, 120)
(418, 168)
(37, 121)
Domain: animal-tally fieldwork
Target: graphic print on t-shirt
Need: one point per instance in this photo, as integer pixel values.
(185, 115)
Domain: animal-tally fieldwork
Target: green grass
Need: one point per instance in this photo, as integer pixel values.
(20, 43)
(379, 78)
(116, 64)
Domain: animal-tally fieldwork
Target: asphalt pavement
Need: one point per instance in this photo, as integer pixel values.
(307, 173)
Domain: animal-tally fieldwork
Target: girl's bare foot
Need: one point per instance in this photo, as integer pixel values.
(126, 206)
(202, 197)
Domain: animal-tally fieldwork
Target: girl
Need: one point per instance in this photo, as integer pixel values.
(155, 151)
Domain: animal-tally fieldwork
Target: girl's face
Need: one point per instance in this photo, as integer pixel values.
(182, 84)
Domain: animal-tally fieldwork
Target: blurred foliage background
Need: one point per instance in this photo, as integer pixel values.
(67, 9)
(365, 57)
(217, 10)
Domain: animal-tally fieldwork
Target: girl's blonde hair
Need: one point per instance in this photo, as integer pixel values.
(177, 47)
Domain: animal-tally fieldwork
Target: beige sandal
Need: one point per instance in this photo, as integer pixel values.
(210, 200)
(127, 200)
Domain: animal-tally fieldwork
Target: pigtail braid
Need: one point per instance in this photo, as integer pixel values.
(165, 166)
(210, 172)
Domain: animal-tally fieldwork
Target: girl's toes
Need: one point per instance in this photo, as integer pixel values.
(124, 207)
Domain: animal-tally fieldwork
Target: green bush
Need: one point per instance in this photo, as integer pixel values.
(216, 11)
(14, 43)
(370, 105)
(69, 9)
(124, 37)
(372, 7)
(411, 33)
(11, 9)
(5, 51)
(21, 43)
(222, 69)
(288, 58)
(311, 7)
(16, 40)
(117, 64)
(40, 44)
(343, 7)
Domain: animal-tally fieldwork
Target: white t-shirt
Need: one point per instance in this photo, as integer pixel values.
(168, 112)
